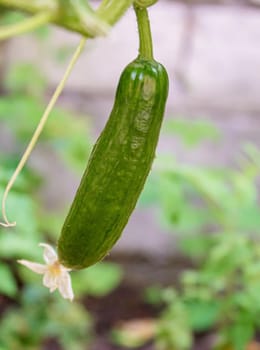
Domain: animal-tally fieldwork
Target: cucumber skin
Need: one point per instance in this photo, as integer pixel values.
(118, 166)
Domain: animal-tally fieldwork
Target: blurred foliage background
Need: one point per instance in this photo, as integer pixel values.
(212, 212)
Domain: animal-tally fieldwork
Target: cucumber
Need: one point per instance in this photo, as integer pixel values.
(118, 166)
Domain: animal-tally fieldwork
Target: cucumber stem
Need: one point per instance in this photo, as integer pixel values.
(144, 31)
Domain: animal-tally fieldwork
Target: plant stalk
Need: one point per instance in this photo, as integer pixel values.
(144, 31)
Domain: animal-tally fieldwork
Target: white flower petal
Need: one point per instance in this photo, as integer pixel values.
(49, 281)
(35, 267)
(55, 275)
(49, 253)
(65, 287)
(64, 269)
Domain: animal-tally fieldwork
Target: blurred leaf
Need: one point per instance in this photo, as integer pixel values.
(22, 240)
(19, 247)
(203, 315)
(248, 218)
(51, 222)
(71, 317)
(172, 198)
(25, 77)
(8, 285)
(153, 295)
(34, 294)
(246, 300)
(244, 189)
(5, 175)
(240, 333)
(174, 330)
(23, 108)
(253, 154)
(215, 191)
(67, 134)
(195, 246)
(230, 252)
(11, 17)
(150, 194)
(192, 132)
(68, 323)
(21, 209)
(97, 280)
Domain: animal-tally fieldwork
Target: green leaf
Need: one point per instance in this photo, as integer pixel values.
(25, 77)
(244, 189)
(69, 135)
(24, 108)
(248, 218)
(174, 331)
(150, 194)
(202, 314)
(11, 17)
(21, 209)
(153, 295)
(196, 245)
(20, 246)
(22, 240)
(209, 185)
(240, 333)
(8, 285)
(192, 132)
(97, 280)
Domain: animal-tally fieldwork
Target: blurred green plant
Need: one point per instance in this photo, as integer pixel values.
(51, 319)
(64, 132)
(32, 306)
(213, 212)
(215, 216)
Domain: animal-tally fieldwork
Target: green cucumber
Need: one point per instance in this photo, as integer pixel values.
(118, 166)
(120, 161)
